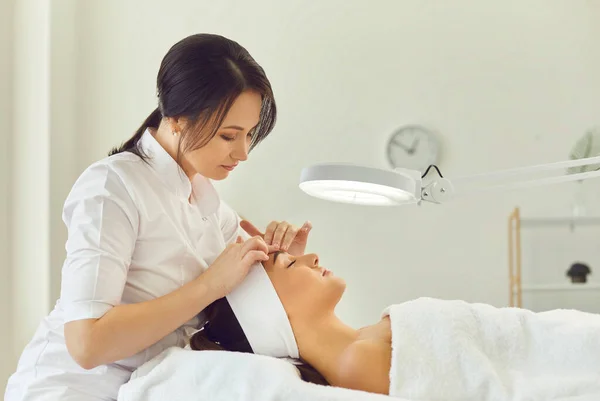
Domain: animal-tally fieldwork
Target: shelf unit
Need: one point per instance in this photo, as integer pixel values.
(515, 224)
(560, 287)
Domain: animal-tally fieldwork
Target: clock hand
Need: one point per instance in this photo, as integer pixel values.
(401, 145)
(414, 146)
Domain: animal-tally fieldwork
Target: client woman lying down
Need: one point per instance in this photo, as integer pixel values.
(341, 355)
(421, 349)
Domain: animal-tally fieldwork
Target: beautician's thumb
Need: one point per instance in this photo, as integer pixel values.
(250, 228)
(305, 229)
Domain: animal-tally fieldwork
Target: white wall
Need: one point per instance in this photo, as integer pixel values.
(65, 135)
(37, 158)
(31, 169)
(504, 83)
(6, 38)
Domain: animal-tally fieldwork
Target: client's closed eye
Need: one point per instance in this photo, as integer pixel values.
(277, 253)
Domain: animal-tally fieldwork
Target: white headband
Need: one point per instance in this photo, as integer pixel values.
(262, 317)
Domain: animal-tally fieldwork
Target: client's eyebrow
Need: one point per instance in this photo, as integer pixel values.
(275, 256)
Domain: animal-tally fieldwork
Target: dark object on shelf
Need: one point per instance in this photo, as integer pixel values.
(578, 272)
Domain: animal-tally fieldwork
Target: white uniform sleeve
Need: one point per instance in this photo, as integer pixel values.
(102, 223)
(230, 224)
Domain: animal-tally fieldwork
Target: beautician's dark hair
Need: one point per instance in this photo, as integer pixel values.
(199, 78)
(223, 332)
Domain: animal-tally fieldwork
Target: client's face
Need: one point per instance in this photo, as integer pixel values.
(303, 286)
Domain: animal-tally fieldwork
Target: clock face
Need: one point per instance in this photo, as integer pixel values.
(412, 147)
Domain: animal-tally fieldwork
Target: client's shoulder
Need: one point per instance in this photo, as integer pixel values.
(365, 365)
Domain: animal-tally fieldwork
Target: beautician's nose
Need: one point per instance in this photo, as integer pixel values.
(241, 151)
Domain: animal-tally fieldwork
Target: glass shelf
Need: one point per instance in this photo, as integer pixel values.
(559, 221)
(561, 287)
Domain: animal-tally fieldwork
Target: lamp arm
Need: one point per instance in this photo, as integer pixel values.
(442, 189)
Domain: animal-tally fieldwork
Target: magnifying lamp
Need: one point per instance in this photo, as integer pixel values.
(348, 183)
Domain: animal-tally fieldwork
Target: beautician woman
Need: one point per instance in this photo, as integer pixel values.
(150, 244)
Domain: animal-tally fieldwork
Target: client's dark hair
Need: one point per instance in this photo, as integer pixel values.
(222, 332)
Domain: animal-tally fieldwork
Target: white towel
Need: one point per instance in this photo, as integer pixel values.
(179, 374)
(453, 350)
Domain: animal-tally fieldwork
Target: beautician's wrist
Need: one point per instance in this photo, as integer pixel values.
(206, 290)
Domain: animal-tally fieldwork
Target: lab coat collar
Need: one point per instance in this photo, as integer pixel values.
(173, 176)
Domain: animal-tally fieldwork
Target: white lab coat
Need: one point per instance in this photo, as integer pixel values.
(133, 235)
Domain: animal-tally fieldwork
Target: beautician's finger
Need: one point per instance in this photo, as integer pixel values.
(305, 229)
(280, 233)
(289, 237)
(270, 232)
(250, 228)
(255, 256)
(302, 235)
(255, 244)
(239, 240)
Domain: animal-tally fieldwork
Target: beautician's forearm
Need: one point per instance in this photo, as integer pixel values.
(128, 329)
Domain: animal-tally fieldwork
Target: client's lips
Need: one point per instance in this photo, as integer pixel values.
(325, 273)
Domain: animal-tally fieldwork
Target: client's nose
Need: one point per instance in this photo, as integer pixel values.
(312, 259)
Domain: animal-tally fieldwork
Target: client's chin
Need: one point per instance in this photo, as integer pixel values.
(335, 290)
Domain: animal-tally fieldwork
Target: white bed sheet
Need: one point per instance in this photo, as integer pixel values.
(180, 374)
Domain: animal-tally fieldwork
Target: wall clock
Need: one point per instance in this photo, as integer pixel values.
(413, 147)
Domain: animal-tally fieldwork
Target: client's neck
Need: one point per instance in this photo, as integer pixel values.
(322, 342)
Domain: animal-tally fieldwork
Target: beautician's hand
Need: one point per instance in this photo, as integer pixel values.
(282, 235)
(233, 264)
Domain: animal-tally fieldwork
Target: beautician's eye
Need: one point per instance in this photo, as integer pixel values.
(227, 138)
